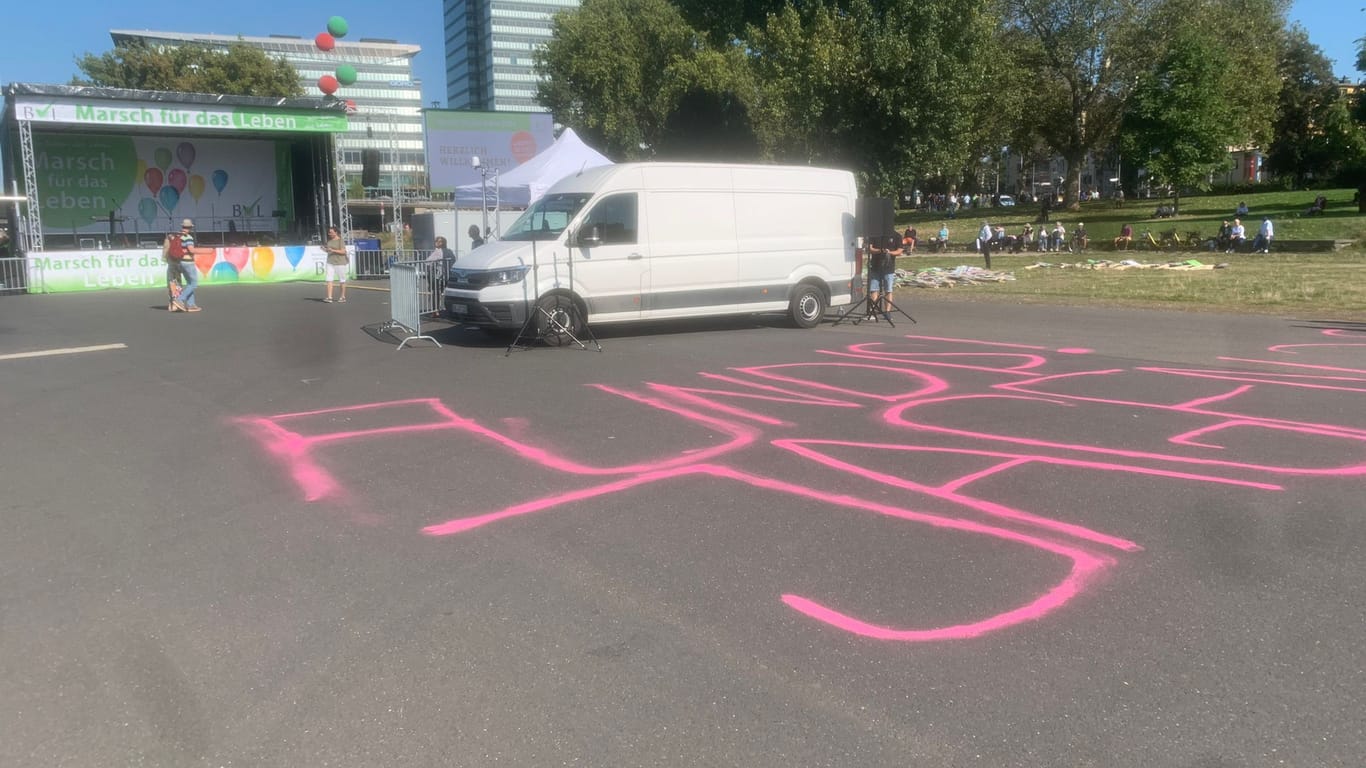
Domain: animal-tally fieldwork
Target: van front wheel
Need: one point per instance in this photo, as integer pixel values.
(807, 307)
(558, 320)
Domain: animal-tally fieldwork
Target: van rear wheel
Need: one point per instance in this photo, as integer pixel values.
(807, 307)
(558, 320)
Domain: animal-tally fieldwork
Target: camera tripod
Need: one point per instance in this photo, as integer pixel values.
(554, 318)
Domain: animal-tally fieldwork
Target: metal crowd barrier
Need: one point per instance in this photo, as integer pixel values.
(16, 277)
(374, 265)
(415, 291)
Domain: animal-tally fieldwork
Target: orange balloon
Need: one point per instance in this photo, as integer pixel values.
(262, 260)
(204, 259)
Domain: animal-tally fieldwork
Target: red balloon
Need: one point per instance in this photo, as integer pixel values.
(328, 84)
(325, 42)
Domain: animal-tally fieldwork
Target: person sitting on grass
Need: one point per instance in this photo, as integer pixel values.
(1236, 236)
(941, 243)
(1079, 238)
(1126, 237)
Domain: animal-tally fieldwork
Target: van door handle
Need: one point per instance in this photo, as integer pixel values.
(635, 256)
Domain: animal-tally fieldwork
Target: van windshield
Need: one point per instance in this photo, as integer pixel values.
(547, 217)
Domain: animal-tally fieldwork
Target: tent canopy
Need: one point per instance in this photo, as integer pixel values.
(525, 184)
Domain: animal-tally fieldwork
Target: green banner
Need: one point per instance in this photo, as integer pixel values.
(137, 114)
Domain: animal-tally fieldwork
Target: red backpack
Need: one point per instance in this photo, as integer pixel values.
(175, 250)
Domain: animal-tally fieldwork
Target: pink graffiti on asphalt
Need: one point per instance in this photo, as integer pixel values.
(918, 399)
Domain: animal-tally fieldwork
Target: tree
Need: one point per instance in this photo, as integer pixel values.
(725, 22)
(605, 66)
(1086, 57)
(1354, 166)
(895, 89)
(1313, 125)
(1179, 120)
(238, 70)
(705, 104)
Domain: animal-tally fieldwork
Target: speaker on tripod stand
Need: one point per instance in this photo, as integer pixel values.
(875, 220)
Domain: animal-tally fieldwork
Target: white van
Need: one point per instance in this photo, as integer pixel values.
(645, 241)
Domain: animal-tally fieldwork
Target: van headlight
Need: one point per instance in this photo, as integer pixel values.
(506, 276)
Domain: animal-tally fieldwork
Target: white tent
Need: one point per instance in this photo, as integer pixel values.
(525, 184)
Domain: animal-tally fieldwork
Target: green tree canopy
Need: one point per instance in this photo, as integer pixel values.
(1313, 132)
(240, 70)
(607, 64)
(1178, 123)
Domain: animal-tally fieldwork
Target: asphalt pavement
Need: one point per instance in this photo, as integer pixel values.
(1002, 535)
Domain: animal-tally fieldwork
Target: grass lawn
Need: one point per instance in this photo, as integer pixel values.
(1290, 284)
(1204, 213)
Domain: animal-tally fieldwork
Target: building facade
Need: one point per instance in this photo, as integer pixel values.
(491, 48)
(387, 98)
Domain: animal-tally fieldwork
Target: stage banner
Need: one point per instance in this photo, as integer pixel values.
(109, 113)
(501, 140)
(150, 184)
(72, 271)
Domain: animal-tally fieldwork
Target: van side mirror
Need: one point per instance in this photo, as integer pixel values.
(590, 236)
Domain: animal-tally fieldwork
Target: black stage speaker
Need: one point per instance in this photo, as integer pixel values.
(875, 217)
(369, 167)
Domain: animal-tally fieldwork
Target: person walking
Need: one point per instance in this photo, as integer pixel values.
(182, 248)
(175, 279)
(337, 264)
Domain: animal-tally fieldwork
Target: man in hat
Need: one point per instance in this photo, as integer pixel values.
(185, 302)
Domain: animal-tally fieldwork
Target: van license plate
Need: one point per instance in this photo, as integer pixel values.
(460, 309)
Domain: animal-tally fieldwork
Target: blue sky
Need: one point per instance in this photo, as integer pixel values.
(64, 29)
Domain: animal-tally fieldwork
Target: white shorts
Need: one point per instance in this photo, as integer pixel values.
(336, 272)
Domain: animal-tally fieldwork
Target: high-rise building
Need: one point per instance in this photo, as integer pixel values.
(388, 99)
(490, 51)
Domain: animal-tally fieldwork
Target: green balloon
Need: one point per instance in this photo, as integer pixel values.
(336, 26)
(346, 74)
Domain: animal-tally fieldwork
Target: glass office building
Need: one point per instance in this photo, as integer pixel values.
(490, 51)
(388, 99)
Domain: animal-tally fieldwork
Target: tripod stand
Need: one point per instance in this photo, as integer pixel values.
(870, 312)
(555, 317)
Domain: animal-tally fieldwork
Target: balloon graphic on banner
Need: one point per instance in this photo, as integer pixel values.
(177, 178)
(184, 152)
(237, 257)
(324, 41)
(169, 197)
(147, 209)
(196, 186)
(204, 259)
(346, 74)
(152, 178)
(262, 261)
(523, 146)
(337, 26)
(163, 158)
(142, 168)
(220, 180)
(295, 254)
(223, 272)
(327, 84)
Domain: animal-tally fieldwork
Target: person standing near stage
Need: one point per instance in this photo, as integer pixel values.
(337, 263)
(882, 272)
(476, 239)
(183, 248)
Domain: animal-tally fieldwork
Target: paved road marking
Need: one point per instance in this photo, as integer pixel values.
(65, 351)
